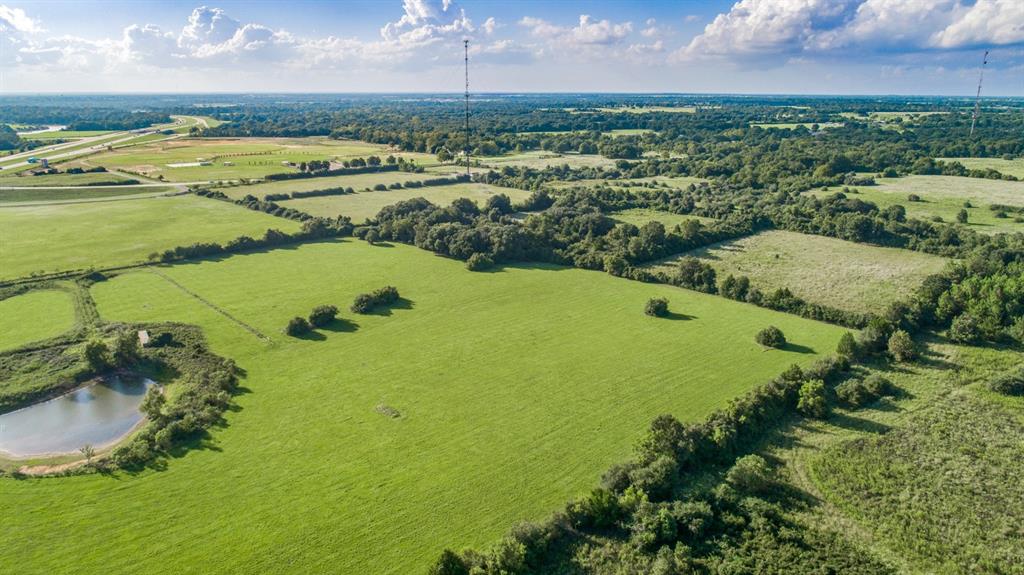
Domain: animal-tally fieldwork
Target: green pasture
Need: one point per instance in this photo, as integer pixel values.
(539, 159)
(944, 196)
(34, 316)
(357, 182)
(1014, 167)
(85, 194)
(640, 216)
(649, 109)
(516, 389)
(58, 237)
(363, 205)
(246, 157)
(628, 132)
(52, 180)
(795, 125)
(634, 184)
(846, 275)
(64, 135)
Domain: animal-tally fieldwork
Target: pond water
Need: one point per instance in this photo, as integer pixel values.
(97, 415)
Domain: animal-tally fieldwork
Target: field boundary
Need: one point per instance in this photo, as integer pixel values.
(214, 307)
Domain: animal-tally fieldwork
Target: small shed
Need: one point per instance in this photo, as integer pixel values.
(143, 338)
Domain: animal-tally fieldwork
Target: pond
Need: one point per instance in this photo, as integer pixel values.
(97, 415)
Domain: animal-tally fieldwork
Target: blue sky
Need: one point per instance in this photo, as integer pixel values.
(748, 46)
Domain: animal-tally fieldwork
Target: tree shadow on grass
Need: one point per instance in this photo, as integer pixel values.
(847, 421)
(312, 335)
(797, 348)
(674, 315)
(380, 244)
(341, 325)
(387, 310)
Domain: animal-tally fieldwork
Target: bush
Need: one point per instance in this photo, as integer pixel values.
(913, 198)
(861, 392)
(811, 400)
(96, 354)
(901, 346)
(771, 336)
(297, 326)
(1009, 384)
(751, 473)
(965, 329)
(478, 262)
(656, 307)
(449, 563)
(847, 346)
(365, 302)
(322, 315)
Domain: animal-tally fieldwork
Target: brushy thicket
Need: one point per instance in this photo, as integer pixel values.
(205, 383)
(944, 489)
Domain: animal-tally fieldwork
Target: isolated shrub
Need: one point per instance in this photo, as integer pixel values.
(478, 262)
(913, 198)
(363, 303)
(322, 315)
(751, 473)
(297, 326)
(961, 216)
(386, 295)
(811, 399)
(965, 329)
(1009, 383)
(879, 385)
(771, 336)
(656, 307)
(901, 346)
(380, 188)
(847, 346)
(96, 354)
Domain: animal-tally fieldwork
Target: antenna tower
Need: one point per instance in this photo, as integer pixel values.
(465, 151)
(977, 97)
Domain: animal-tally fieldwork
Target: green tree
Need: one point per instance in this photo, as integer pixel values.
(847, 346)
(811, 401)
(322, 315)
(478, 262)
(656, 307)
(449, 563)
(901, 346)
(751, 473)
(961, 216)
(96, 354)
(153, 403)
(297, 326)
(771, 336)
(126, 348)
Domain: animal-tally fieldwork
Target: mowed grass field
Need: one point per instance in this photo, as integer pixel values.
(33, 316)
(540, 159)
(363, 205)
(58, 237)
(846, 275)
(635, 184)
(516, 389)
(88, 194)
(64, 134)
(1013, 167)
(944, 196)
(639, 217)
(250, 157)
(50, 180)
(357, 182)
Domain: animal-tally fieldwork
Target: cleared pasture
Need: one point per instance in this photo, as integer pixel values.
(51, 180)
(59, 237)
(230, 158)
(363, 205)
(944, 197)
(795, 125)
(516, 389)
(639, 217)
(357, 182)
(541, 159)
(845, 275)
(85, 194)
(33, 316)
(1014, 167)
(64, 134)
(635, 184)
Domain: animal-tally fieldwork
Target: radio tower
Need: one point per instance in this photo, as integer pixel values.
(465, 150)
(977, 98)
